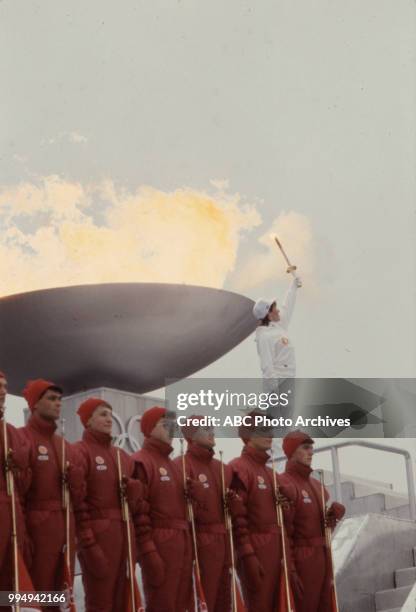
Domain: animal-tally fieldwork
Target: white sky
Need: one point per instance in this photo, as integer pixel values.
(302, 107)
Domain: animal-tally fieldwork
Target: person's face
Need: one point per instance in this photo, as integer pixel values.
(263, 443)
(274, 313)
(3, 393)
(49, 405)
(101, 420)
(163, 430)
(303, 454)
(205, 437)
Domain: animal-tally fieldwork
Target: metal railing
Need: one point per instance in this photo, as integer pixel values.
(333, 448)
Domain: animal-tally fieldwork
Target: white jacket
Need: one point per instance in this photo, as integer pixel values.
(276, 351)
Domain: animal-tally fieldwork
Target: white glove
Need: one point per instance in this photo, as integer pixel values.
(298, 282)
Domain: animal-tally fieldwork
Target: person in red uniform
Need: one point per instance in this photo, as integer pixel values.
(257, 534)
(101, 532)
(163, 534)
(305, 525)
(18, 462)
(45, 515)
(212, 540)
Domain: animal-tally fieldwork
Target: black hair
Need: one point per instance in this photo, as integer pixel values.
(52, 388)
(266, 321)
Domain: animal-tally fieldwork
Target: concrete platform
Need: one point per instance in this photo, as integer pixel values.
(372, 555)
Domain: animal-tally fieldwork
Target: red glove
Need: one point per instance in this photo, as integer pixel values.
(282, 500)
(17, 457)
(132, 490)
(195, 491)
(153, 568)
(334, 514)
(286, 494)
(253, 570)
(234, 503)
(10, 463)
(86, 538)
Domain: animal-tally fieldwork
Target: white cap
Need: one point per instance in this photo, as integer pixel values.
(261, 308)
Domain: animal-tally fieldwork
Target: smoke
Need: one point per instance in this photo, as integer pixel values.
(59, 233)
(266, 262)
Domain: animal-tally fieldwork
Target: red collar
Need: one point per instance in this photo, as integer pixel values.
(259, 456)
(298, 469)
(199, 452)
(157, 446)
(97, 437)
(42, 426)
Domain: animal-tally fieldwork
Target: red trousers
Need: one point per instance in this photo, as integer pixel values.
(47, 531)
(311, 566)
(105, 586)
(6, 544)
(213, 555)
(267, 547)
(175, 594)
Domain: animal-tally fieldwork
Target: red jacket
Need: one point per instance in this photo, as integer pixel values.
(306, 529)
(253, 482)
(202, 467)
(164, 501)
(19, 464)
(101, 496)
(163, 534)
(213, 540)
(306, 520)
(19, 460)
(45, 458)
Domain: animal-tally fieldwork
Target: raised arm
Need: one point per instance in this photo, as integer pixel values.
(288, 305)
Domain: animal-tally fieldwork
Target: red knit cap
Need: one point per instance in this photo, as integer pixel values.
(87, 408)
(2, 374)
(36, 388)
(190, 430)
(150, 419)
(293, 440)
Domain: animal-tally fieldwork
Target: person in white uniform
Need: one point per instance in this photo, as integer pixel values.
(274, 346)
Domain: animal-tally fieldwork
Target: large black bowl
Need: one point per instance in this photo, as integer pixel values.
(128, 336)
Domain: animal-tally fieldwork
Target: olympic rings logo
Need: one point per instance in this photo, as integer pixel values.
(126, 437)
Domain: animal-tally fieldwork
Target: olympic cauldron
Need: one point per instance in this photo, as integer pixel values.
(126, 336)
